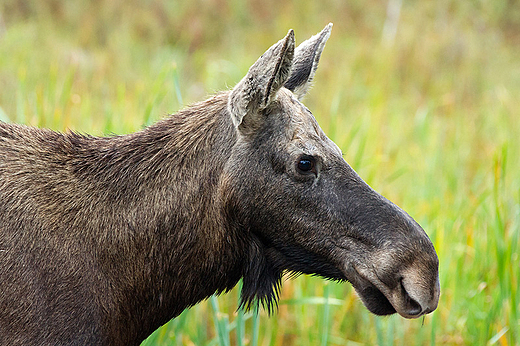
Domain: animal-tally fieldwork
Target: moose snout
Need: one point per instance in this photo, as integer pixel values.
(409, 278)
(411, 292)
(402, 273)
(415, 296)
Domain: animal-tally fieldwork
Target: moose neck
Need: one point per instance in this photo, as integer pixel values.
(170, 247)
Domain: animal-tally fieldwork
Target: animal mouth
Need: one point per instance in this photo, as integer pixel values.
(382, 300)
(375, 301)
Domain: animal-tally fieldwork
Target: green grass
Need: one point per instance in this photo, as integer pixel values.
(429, 118)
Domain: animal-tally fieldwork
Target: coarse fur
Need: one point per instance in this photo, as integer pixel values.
(104, 239)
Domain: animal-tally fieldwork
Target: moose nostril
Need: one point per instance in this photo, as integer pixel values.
(413, 308)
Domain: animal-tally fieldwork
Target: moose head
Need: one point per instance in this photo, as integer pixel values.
(305, 209)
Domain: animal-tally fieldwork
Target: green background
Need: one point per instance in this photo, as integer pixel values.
(423, 98)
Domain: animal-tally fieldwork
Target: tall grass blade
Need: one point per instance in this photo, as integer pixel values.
(325, 315)
(177, 85)
(256, 327)
(240, 320)
(221, 322)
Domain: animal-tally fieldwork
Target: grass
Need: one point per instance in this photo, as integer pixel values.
(428, 117)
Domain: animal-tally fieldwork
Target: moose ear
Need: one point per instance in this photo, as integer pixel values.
(305, 63)
(258, 88)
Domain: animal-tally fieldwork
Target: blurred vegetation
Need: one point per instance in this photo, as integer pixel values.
(423, 97)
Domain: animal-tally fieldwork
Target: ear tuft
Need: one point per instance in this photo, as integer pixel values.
(263, 80)
(305, 63)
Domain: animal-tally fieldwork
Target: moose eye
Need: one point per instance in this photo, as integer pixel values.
(306, 164)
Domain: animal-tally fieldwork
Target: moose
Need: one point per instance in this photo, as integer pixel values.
(104, 239)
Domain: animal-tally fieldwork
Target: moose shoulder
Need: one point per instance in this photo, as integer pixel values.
(102, 240)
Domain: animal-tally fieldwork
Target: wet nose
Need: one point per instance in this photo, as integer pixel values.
(429, 305)
(411, 307)
(419, 300)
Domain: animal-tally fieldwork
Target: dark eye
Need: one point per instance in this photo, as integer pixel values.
(306, 164)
